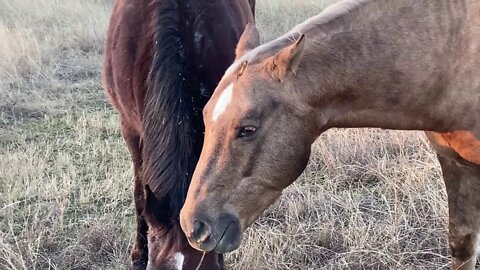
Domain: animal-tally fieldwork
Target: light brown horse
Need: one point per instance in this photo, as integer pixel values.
(396, 64)
(163, 59)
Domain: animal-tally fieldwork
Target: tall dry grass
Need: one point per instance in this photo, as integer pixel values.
(49, 49)
(369, 199)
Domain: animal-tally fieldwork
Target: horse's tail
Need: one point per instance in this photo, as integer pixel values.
(171, 139)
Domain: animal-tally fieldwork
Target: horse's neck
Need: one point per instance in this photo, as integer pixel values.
(399, 71)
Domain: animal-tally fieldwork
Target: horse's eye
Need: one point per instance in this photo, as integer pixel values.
(246, 131)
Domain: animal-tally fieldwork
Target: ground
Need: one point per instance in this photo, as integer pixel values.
(370, 199)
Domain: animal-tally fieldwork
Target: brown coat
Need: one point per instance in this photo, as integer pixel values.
(163, 59)
(396, 64)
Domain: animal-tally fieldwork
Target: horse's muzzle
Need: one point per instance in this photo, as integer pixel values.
(221, 235)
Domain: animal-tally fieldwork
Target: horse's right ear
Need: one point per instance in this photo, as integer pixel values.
(250, 39)
(153, 208)
(147, 193)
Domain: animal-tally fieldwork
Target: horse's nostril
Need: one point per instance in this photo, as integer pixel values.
(197, 226)
(201, 231)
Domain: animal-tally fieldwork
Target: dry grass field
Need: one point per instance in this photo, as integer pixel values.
(370, 199)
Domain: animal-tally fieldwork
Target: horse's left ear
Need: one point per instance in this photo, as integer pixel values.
(288, 59)
(249, 40)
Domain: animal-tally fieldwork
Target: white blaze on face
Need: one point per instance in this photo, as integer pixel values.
(179, 258)
(223, 102)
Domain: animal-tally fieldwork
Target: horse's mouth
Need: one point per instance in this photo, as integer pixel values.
(222, 235)
(230, 239)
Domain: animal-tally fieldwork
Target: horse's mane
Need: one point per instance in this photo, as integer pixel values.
(324, 19)
(171, 136)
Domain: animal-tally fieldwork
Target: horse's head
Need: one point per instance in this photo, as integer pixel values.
(183, 257)
(257, 142)
(168, 249)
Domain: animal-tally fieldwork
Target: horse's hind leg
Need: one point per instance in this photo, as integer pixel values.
(140, 246)
(463, 189)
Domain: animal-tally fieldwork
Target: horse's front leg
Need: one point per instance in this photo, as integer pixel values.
(463, 190)
(139, 253)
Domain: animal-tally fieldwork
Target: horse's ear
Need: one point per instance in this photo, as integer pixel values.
(248, 40)
(147, 191)
(154, 209)
(287, 60)
(148, 197)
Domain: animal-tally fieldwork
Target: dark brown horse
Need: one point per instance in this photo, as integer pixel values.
(163, 59)
(398, 64)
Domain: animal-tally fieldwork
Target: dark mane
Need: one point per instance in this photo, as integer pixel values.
(171, 128)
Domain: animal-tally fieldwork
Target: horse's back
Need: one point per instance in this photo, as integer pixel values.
(209, 40)
(127, 60)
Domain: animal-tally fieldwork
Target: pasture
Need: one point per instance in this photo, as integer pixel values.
(369, 199)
